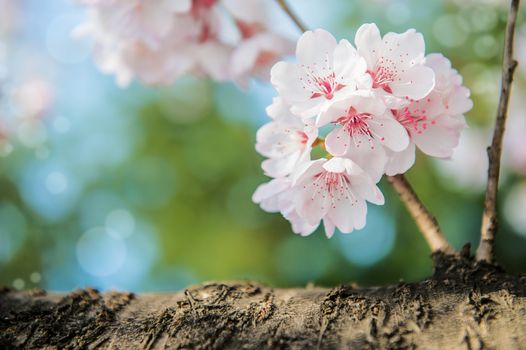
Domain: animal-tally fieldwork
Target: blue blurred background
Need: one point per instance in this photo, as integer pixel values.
(150, 189)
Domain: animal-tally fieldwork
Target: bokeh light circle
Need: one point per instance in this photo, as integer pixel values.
(100, 253)
(368, 246)
(56, 182)
(120, 223)
(60, 42)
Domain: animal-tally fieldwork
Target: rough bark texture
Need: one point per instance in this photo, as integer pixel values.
(463, 306)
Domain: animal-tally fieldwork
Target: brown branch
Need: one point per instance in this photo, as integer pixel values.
(485, 250)
(292, 15)
(250, 316)
(425, 221)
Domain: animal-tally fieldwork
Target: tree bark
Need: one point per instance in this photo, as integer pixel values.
(464, 305)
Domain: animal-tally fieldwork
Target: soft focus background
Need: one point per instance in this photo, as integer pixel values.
(150, 188)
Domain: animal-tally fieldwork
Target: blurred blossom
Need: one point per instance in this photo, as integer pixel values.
(468, 166)
(34, 98)
(514, 205)
(25, 98)
(222, 40)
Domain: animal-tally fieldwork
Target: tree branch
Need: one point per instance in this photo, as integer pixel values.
(292, 16)
(485, 250)
(464, 306)
(425, 221)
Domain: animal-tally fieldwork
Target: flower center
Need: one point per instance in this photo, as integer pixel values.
(335, 185)
(414, 120)
(320, 79)
(356, 124)
(384, 74)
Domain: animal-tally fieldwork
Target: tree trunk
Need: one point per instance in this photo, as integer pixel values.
(464, 305)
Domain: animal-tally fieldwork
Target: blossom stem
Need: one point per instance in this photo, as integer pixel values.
(489, 226)
(292, 15)
(425, 221)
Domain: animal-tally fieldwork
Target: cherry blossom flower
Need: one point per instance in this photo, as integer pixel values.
(376, 103)
(326, 71)
(363, 128)
(273, 197)
(434, 123)
(395, 63)
(157, 42)
(336, 192)
(255, 55)
(286, 141)
(259, 47)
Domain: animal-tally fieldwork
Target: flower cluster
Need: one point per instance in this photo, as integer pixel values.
(25, 96)
(375, 102)
(158, 41)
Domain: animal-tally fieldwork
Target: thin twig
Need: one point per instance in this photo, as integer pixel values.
(292, 15)
(485, 250)
(425, 221)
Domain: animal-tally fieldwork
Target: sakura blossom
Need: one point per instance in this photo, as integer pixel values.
(273, 197)
(158, 43)
(326, 71)
(395, 62)
(26, 94)
(286, 141)
(375, 103)
(364, 129)
(336, 192)
(434, 123)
